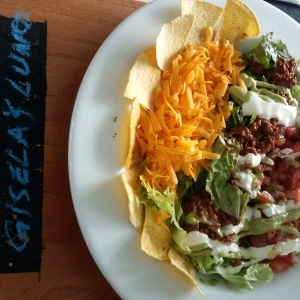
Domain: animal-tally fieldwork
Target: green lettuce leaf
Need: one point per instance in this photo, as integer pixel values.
(247, 276)
(184, 185)
(235, 118)
(210, 282)
(194, 186)
(268, 51)
(178, 236)
(296, 92)
(227, 197)
(163, 201)
(205, 263)
(258, 226)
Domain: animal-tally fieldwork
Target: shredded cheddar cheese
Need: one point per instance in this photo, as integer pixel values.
(190, 110)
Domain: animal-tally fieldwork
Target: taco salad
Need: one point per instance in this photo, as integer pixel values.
(213, 169)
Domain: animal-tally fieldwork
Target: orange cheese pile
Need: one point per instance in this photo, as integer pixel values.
(190, 110)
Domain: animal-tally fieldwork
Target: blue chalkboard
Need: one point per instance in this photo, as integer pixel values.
(23, 88)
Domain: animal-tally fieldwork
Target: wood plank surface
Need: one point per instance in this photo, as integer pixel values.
(76, 29)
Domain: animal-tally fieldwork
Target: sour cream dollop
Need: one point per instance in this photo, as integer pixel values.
(285, 114)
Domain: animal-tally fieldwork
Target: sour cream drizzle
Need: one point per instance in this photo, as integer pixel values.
(285, 114)
(243, 176)
(251, 212)
(280, 209)
(195, 238)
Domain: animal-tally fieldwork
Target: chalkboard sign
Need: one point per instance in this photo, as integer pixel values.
(22, 117)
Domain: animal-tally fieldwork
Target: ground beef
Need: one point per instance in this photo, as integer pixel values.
(258, 137)
(283, 74)
(236, 262)
(212, 219)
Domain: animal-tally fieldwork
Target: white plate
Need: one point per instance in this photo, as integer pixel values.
(97, 150)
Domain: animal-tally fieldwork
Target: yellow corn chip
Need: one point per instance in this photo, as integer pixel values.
(156, 239)
(144, 77)
(184, 265)
(206, 15)
(238, 22)
(133, 189)
(171, 40)
(134, 156)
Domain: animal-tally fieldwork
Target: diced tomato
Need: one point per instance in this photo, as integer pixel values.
(266, 197)
(292, 132)
(286, 175)
(295, 147)
(285, 145)
(293, 194)
(293, 179)
(282, 263)
(291, 139)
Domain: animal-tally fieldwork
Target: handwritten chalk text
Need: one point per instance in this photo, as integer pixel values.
(18, 227)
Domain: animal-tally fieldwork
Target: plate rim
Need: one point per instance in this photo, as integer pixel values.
(75, 112)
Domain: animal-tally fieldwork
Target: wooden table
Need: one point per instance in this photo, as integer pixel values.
(76, 29)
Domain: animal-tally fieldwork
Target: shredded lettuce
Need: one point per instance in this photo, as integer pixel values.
(244, 279)
(164, 201)
(227, 197)
(195, 186)
(211, 282)
(268, 51)
(296, 92)
(205, 264)
(247, 276)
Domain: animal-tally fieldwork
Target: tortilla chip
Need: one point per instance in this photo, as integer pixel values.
(183, 264)
(133, 188)
(206, 16)
(151, 55)
(134, 157)
(171, 40)
(187, 6)
(238, 22)
(155, 239)
(144, 77)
